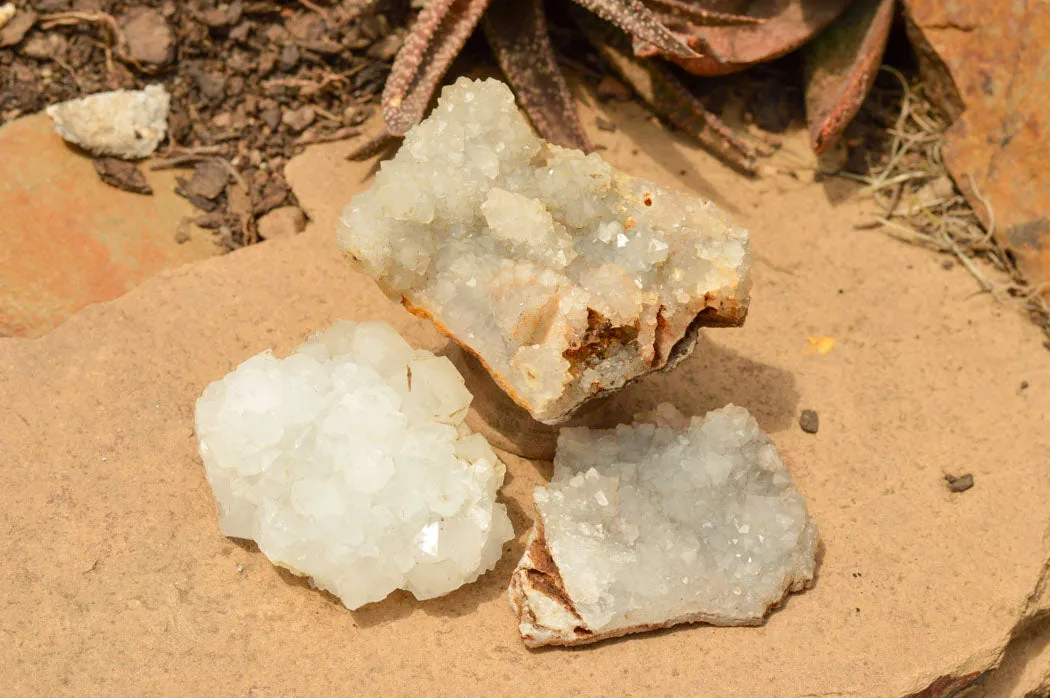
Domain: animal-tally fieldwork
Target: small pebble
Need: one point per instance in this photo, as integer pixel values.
(1024, 385)
(286, 220)
(298, 119)
(809, 421)
(959, 484)
(182, 233)
(150, 39)
(289, 58)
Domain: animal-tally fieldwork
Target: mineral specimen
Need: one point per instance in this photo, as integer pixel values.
(127, 124)
(651, 525)
(349, 462)
(564, 276)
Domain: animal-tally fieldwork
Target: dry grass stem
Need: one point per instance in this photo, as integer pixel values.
(921, 205)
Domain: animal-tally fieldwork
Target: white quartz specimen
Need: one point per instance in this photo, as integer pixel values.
(348, 462)
(566, 277)
(654, 524)
(127, 124)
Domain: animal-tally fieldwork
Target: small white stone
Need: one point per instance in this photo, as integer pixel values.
(656, 524)
(566, 277)
(348, 462)
(127, 124)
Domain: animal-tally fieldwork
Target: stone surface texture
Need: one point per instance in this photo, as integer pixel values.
(127, 124)
(986, 62)
(348, 462)
(116, 575)
(68, 240)
(564, 276)
(667, 521)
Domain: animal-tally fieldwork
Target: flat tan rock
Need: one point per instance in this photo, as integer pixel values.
(116, 577)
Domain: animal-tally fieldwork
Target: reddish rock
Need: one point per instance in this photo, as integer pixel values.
(67, 239)
(986, 64)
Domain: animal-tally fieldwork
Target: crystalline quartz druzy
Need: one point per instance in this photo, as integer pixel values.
(349, 462)
(566, 277)
(651, 525)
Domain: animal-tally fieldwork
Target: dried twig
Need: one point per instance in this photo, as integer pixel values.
(117, 43)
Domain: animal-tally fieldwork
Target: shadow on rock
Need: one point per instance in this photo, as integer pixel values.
(712, 377)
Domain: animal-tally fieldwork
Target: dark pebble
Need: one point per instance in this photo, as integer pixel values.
(959, 484)
(809, 421)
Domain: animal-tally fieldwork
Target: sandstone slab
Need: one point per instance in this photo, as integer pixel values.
(116, 575)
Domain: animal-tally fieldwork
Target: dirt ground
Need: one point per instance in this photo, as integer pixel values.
(117, 580)
(251, 84)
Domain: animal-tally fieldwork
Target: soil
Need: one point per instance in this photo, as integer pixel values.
(252, 83)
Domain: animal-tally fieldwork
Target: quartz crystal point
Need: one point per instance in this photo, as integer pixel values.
(651, 525)
(348, 462)
(565, 277)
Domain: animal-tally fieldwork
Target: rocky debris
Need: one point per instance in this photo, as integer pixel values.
(566, 277)
(150, 39)
(282, 222)
(127, 124)
(223, 15)
(671, 520)
(122, 175)
(349, 462)
(299, 119)
(809, 421)
(208, 181)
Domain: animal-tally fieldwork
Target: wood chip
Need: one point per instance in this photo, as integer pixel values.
(122, 175)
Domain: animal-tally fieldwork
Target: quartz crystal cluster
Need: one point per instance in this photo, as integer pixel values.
(349, 462)
(654, 524)
(564, 276)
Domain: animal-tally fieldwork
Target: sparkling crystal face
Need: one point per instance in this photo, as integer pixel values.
(349, 462)
(566, 277)
(681, 519)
